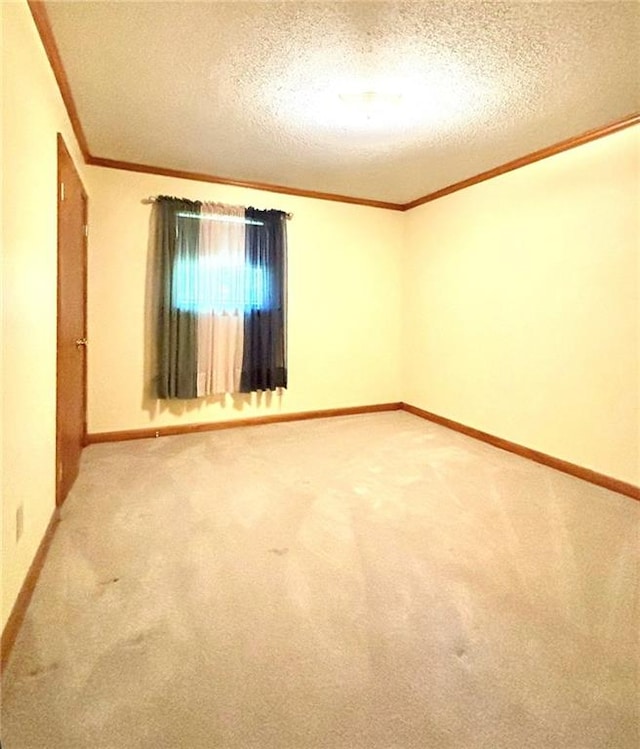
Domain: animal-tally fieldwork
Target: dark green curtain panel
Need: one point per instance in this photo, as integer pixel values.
(187, 292)
(264, 360)
(177, 243)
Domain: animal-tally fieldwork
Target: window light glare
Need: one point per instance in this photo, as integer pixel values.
(219, 285)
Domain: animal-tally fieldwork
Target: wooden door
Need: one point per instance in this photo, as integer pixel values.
(71, 426)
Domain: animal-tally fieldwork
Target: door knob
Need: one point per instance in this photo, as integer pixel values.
(81, 342)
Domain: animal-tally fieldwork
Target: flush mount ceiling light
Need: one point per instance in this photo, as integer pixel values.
(371, 105)
(388, 109)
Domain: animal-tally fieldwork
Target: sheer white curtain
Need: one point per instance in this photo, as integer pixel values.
(221, 299)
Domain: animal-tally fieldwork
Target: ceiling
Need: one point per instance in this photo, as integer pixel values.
(270, 92)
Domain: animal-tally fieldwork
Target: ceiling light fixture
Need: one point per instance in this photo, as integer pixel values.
(370, 105)
(380, 110)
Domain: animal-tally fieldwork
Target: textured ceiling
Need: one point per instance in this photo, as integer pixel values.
(252, 90)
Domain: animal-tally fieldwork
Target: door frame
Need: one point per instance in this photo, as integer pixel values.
(61, 151)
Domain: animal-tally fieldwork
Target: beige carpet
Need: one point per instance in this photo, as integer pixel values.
(366, 582)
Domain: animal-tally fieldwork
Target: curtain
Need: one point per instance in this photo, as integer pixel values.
(222, 299)
(177, 242)
(264, 362)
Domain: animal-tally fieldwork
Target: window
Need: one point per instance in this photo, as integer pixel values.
(221, 299)
(227, 285)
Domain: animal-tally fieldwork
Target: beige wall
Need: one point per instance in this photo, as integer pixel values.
(32, 114)
(521, 306)
(344, 304)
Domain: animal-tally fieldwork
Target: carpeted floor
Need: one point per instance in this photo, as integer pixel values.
(365, 582)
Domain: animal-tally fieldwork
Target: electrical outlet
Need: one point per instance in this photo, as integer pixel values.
(19, 522)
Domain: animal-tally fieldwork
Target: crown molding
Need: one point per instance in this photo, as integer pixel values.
(266, 186)
(530, 158)
(43, 25)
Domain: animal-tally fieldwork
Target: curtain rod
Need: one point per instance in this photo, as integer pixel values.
(153, 198)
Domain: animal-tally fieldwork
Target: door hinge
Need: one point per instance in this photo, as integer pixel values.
(61, 191)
